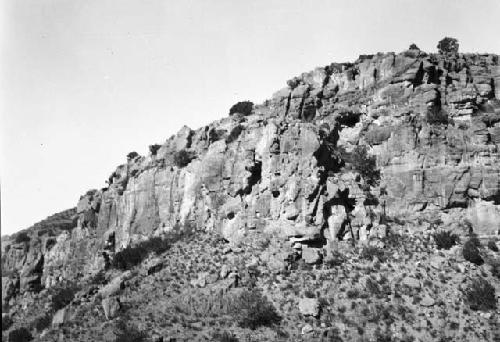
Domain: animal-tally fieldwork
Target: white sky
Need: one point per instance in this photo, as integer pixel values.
(84, 82)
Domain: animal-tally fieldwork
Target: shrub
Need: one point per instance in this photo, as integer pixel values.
(225, 337)
(253, 310)
(128, 333)
(352, 293)
(448, 45)
(235, 133)
(99, 278)
(6, 322)
(154, 149)
(293, 83)
(335, 259)
(62, 295)
(366, 165)
(480, 295)
(413, 46)
(492, 245)
(132, 155)
(495, 270)
(22, 237)
(370, 252)
(445, 239)
(42, 322)
(436, 116)
(216, 135)
(331, 335)
(471, 251)
(182, 158)
(372, 287)
(244, 107)
(20, 335)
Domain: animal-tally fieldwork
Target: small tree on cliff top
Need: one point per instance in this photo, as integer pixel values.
(448, 45)
(244, 107)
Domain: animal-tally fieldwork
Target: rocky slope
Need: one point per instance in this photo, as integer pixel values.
(293, 170)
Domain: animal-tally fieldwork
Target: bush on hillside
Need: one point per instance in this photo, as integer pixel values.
(132, 155)
(182, 158)
(21, 334)
(125, 332)
(254, 310)
(492, 245)
(225, 337)
(480, 295)
(370, 252)
(22, 237)
(216, 135)
(471, 251)
(436, 116)
(6, 322)
(445, 239)
(243, 107)
(62, 295)
(293, 83)
(365, 164)
(42, 322)
(234, 134)
(153, 149)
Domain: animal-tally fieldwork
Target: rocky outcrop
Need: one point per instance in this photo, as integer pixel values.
(431, 121)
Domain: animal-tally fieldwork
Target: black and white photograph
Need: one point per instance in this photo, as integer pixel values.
(250, 171)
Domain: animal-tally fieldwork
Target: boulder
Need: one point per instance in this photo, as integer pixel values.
(111, 306)
(306, 329)
(10, 287)
(427, 301)
(411, 282)
(115, 285)
(60, 317)
(311, 255)
(224, 271)
(309, 307)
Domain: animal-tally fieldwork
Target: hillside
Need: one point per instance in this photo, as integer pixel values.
(359, 203)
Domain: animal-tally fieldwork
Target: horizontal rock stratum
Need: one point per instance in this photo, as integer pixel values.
(431, 121)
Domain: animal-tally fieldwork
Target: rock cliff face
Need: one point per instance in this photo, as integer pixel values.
(431, 121)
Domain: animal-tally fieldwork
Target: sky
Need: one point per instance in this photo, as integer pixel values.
(84, 82)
